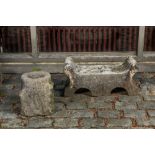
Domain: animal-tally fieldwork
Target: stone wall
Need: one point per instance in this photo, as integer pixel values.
(81, 111)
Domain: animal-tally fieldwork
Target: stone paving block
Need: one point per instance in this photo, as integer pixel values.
(61, 99)
(139, 114)
(149, 98)
(80, 98)
(59, 106)
(61, 114)
(5, 106)
(108, 113)
(130, 99)
(151, 113)
(99, 102)
(40, 122)
(123, 123)
(147, 105)
(150, 122)
(13, 123)
(7, 115)
(122, 105)
(76, 105)
(65, 123)
(92, 123)
(8, 92)
(82, 114)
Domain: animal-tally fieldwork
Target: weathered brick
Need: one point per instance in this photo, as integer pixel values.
(92, 123)
(65, 123)
(61, 99)
(76, 105)
(59, 106)
(61, 114)
(5, 106)
(7, 115)
(99, 102)
(149, 98)
(120, 123)
(150, 122)
(122, 105)
(151, 113)
(82, 114)
(13, 123)
(139, 114)
(88, 123)
(80, 98)
(39, 122)
(108, 113)
(130, 99)
(147, 105)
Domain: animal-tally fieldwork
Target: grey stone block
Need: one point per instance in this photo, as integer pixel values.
(139, 114)
(13, 123)
(7, 115)
(65, 123)
(150, 122)
(76, 105)
(122, 105)
(80, 98)
(99, 103)
(108, 113)
(82, 114)
(61, 114)
(151, 113)
(130, 99)
(92, 123)
(39, 122)
(147, 105)
(124, 123)
(149, 98)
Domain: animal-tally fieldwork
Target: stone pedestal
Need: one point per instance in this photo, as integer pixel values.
(37, 94)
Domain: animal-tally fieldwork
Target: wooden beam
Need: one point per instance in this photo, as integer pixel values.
(141, 41)
(35, 52)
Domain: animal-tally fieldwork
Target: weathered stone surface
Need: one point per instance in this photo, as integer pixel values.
(147, 105)
(13, 123)
(135, 113)
(101, 79)
(99, 103)
(151, 113)
(82, 114)
(108, 113)
(123, 123)
(7, 115)
(150, 122)
(61, 114)
(65, 123)
(149, 97)
(130, 99)
(92, 123)
(76, 105)
(40, 122)
(122, 105)
(37, 96)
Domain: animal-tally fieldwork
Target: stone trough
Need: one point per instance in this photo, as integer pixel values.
(101, 79)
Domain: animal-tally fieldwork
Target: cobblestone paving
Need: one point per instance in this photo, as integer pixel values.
(80, 111)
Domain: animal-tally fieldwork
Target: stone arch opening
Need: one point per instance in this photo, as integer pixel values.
(119, 91)
(84, 91)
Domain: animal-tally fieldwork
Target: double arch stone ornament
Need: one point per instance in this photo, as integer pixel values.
(101, 79)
